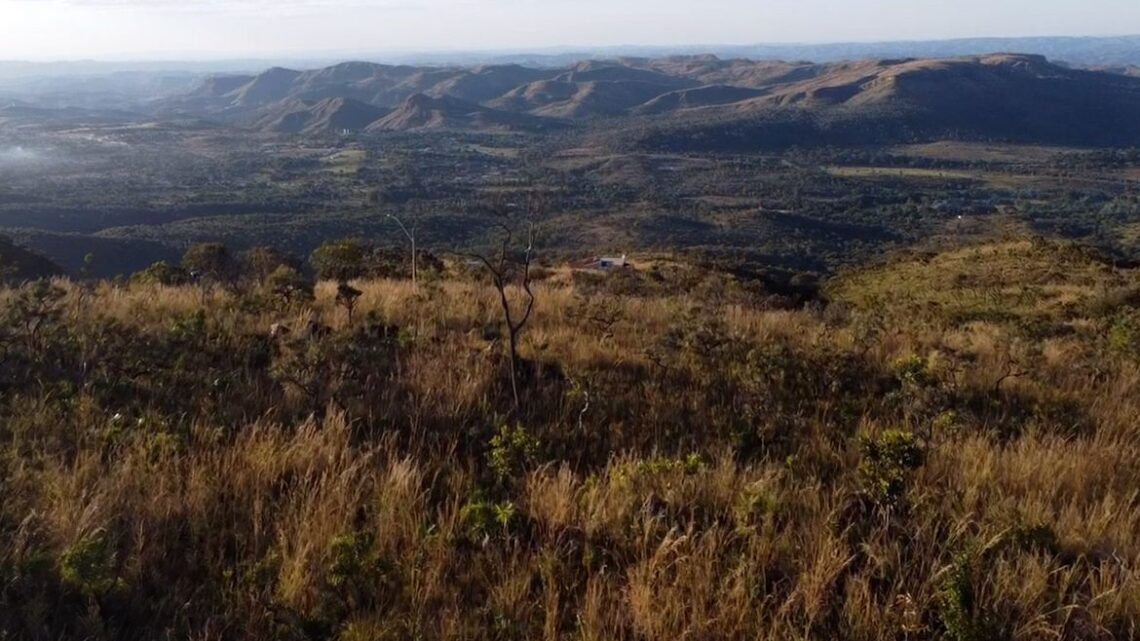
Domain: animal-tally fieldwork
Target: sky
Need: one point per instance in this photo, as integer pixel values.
(218, 29)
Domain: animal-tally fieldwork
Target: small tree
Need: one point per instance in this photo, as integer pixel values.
(212, 261)
(346, 297)
(289, 285)
(504, 271)
(261, 262)
(341, 260)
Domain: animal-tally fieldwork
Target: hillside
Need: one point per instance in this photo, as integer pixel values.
(946, 448)
(484, 83)
(421, 112)
(1011, 98)
(569, 99)
(271, 86)
(324, 116)
(19, 264)
(700, 97)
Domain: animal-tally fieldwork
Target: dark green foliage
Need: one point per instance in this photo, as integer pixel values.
(888, 461)
(260, 263)
(288, 285)
(962, 616)
(511, 451)
(482, 519)
(162, 273)
(90, 566)
(213, 262)
(341, 260)
(1124, 335)
(353, 258)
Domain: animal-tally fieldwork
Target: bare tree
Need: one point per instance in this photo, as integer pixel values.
(1011, 370)
(502, 275)
(411, 239)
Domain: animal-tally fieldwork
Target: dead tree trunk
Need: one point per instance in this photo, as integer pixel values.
(515, 320)
(411, 235)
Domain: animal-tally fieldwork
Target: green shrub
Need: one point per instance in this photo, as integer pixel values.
(1124, 336)
(481, 519)
(162, 273)
(910, 370)
(888, 461)
(962, 616)
(512, 451)
(89, 565)
(956, 601)
(351, 558)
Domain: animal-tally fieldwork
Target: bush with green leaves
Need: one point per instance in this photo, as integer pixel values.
(889, 460)
(910, 370)
(162, 273)
(1124, 335)
(483, 519)
(512, 450)
(963, 617)
(90, 566)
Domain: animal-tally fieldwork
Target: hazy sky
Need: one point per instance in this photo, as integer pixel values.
(116, 29)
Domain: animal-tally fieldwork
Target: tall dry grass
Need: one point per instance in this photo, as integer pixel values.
(688, 463)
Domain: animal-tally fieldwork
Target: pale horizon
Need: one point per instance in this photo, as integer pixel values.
(136, 30)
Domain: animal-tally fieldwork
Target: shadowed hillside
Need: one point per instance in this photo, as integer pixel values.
(324, 116)
(1001, 97)
(19, 264)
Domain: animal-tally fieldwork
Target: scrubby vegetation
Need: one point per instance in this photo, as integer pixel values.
(943, 446)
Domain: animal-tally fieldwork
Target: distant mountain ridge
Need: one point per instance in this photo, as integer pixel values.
(681, 99)
(1099, 51)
